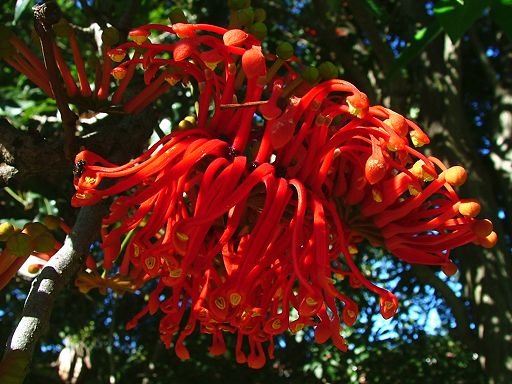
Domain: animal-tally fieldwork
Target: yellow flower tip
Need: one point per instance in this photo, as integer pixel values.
(352, 249)
(188, 122)
(172, 78)
(139, 36)
(469, 207)
(358, 104)
(419, 139)
(449, 269)
(377, 195)
(211, 58)
(116, 54)
(418, 170)
(413, 190)
(118, 73)
(455, 176)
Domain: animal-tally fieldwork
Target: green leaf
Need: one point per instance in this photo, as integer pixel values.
(457, 16)
(375, 8)
(501, 13)
(20, 7)
(422, 38)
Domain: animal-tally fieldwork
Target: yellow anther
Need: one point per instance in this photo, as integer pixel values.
(377, 195)
(175, 272)
(352, 249)
(235, 298)
(311, 301)
(182, 236)
(220, 302)
(150, 262)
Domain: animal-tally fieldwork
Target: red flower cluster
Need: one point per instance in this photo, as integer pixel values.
(249, 219)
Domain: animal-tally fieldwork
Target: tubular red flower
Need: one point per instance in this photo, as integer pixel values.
(258, 210)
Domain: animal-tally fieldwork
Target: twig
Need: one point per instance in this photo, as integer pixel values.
(244, 105)
(45, 15)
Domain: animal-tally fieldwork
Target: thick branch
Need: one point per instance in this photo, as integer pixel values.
(45, 289)
(22, 152)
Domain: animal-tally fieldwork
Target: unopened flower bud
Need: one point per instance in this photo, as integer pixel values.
(259, 15)
(328, 70)
(44, 242)
(119, 73)
(455, 176)
(234, 37)
(34, 229)
(285, 51)
(52, 222)
(259, 30)
(469, 207)
(253, 63)
(310, 74)
(449, 269)
(6, 230)
(19, 245)
(245, 16)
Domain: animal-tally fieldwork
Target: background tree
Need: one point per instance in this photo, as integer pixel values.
(444, 63)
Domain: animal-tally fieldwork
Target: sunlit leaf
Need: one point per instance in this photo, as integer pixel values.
(457, 16)
(375, 7)
(20, 7)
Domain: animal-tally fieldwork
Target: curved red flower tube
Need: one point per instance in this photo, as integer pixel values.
(249, 221)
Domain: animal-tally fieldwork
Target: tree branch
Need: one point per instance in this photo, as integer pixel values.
(54, 276)
(45, 15)
(427, 276)
(24, 154)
